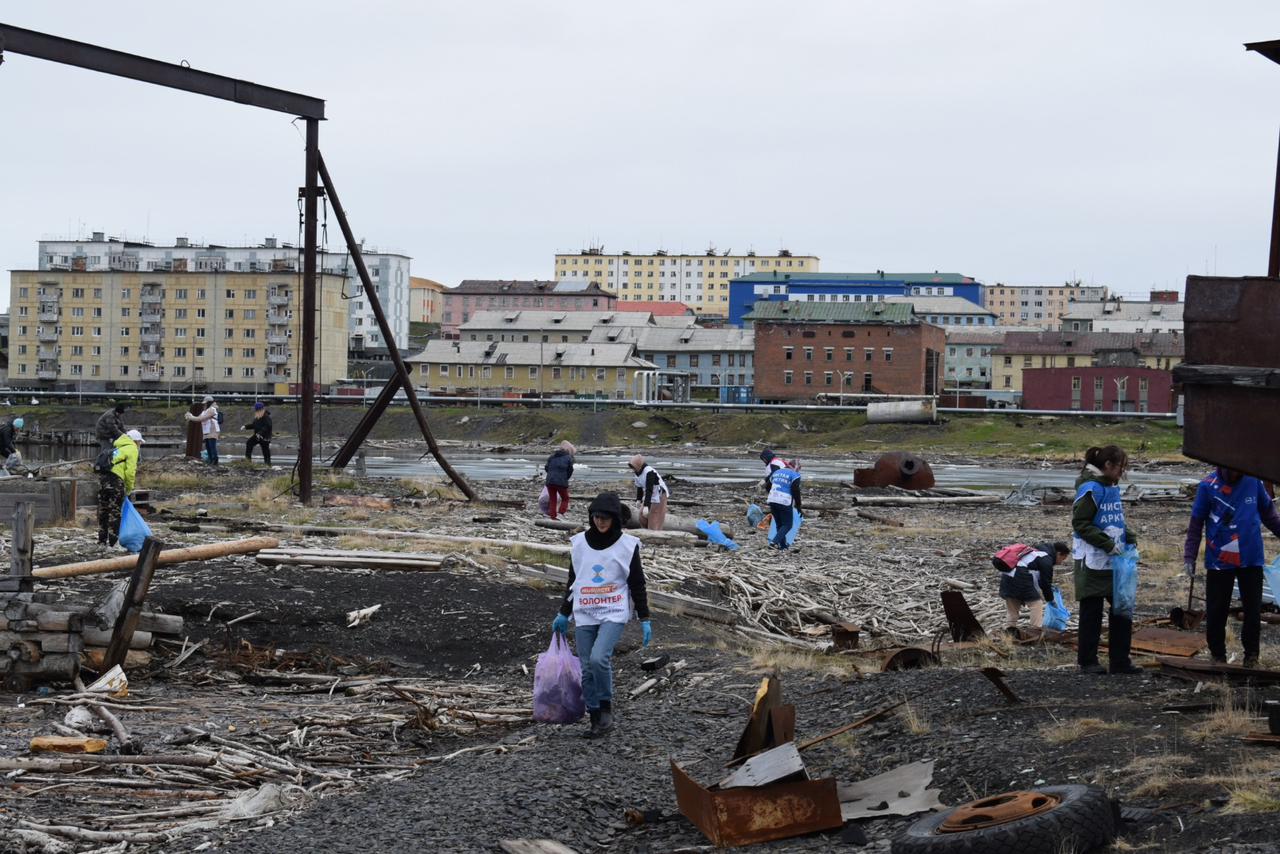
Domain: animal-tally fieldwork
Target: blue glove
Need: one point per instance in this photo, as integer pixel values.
(647, 629)
(560, 624)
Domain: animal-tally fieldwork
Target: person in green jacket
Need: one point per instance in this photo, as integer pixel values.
(1099, 532)
(116, 483)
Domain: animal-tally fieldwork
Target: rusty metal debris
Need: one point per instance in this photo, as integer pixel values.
(1000, 809)
(771, 723)
(1199, 671)
(1159, 641)
(907, 658)
(996, 675)
(964, 625)
(900, 469)
(746, 816)
(902, 791)
(845, 635)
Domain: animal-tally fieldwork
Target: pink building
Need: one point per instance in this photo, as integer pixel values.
(474, 295)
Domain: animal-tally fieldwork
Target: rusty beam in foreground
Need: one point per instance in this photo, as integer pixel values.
(731, 817)
(1198, 671)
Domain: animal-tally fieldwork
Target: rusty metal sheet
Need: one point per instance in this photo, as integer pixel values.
(898, 468)
(964, 625)
(1194, 670)
(1231, 322)
(755, 735)
(1167, 642)
(748, 816)
(845, 635)
(907, 658)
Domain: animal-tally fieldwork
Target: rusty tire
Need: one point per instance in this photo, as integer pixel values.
(1084, 818)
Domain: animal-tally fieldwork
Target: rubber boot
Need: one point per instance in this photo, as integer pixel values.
(102, 538)
(594, 714)
(605, 725)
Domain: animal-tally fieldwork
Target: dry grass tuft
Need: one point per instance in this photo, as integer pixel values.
(1158, 773)
(170, 480)
(364, 542)
(1228, 719)
(1252, 799)
(1067, 732)
(783, 659)
(915, 723)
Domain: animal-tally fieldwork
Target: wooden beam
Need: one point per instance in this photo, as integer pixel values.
(127, 621)
(170, 557)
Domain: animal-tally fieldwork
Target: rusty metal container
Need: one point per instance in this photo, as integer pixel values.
(898, 468)
(1231, 374)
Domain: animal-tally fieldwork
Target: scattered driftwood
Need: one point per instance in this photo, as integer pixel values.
(665, 536)
(878, 519)
(909, 500)
(342, 559)
(166, 558)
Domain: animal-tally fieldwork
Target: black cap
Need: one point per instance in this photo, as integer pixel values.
(766, 455)
(121, 406)
(607, 503)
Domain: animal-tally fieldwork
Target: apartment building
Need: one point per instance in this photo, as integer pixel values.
(1023, 351)
(475, 295)
(948, 312)
(215, 331)
(803, 349)
(1120, 315)
(1036, 305)
(559, 327)
(389, 271)
(517, 369)
(700, 280)
(780, 285)
(1099, 388)
(426, 300)
(712, 358)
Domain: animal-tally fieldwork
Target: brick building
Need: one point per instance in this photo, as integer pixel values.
(1098, 389)
(803, 349)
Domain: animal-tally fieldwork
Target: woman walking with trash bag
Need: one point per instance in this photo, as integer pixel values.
(559, 469)
(606, 582)
(1026, 579)
(1231, 507)
(1100, 537)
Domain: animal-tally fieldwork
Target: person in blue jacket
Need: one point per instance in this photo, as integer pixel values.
(784, 499)
(1231, 508)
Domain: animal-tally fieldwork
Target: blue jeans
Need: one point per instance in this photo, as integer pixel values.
(782, 519)
(595, 652)
(211, 451)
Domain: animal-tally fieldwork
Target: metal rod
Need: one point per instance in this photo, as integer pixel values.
(374, 303)
(134, 67)
(305, 442)
(370, 417)
(1273, 261)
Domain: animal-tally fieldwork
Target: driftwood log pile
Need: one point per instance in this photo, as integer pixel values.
(42, 640)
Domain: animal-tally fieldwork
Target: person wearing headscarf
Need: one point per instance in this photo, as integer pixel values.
(651, 492)
(559, 469)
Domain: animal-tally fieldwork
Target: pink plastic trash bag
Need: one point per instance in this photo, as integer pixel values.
(544, 502)
(557, 684)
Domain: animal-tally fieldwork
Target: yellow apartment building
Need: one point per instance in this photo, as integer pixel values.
(1023, 350)
(700, 281)
(1036, 305)
(494, 369)
(426, 300)
(156, 330)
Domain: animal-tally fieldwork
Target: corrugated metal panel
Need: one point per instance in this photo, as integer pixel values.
(830, 312)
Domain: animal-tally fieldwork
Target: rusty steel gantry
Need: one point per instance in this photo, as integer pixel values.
(311, 110)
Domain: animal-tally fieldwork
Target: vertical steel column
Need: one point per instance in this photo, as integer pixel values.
(1273, 262)
(309, 312)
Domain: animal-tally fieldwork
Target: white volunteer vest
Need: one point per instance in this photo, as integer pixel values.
(661, 490)
(600, 591)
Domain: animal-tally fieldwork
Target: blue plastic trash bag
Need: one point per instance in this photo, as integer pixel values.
(1056, 613)
(1124, 581)
(796, 519)
(557, 684)
(1271, 582)
(714, 535)
(754, 515)
(133, 528)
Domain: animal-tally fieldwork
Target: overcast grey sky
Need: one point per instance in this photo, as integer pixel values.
(1021, 141)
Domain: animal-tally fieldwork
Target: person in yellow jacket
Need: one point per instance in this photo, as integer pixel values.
(115, 483)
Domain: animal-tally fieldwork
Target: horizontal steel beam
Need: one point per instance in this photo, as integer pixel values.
(120, 64)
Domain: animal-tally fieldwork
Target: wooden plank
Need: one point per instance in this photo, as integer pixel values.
(101, 637)
(21, 550)
(139, 585)
(172, 556)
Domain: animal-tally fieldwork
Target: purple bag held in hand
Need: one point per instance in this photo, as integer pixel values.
(557, 684)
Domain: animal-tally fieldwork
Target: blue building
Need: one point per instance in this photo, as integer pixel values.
(845, 287)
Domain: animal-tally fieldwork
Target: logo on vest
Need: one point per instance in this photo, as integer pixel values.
(597, 577)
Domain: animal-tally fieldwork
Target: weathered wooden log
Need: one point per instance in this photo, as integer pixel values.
(166, 558)
(102, 637)
(79, 763)
(680, 538)
(67, 744)
(160, 624)
(59, 621)
(341, 559)
(909, 500)
(95, 658)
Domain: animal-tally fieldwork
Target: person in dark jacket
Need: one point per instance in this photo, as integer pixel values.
(8, 437)
(261, 427)
(1232, 508)
(559, 469)
(1099, 532)
(110, 426)
(1030, 583)
(606, 585)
